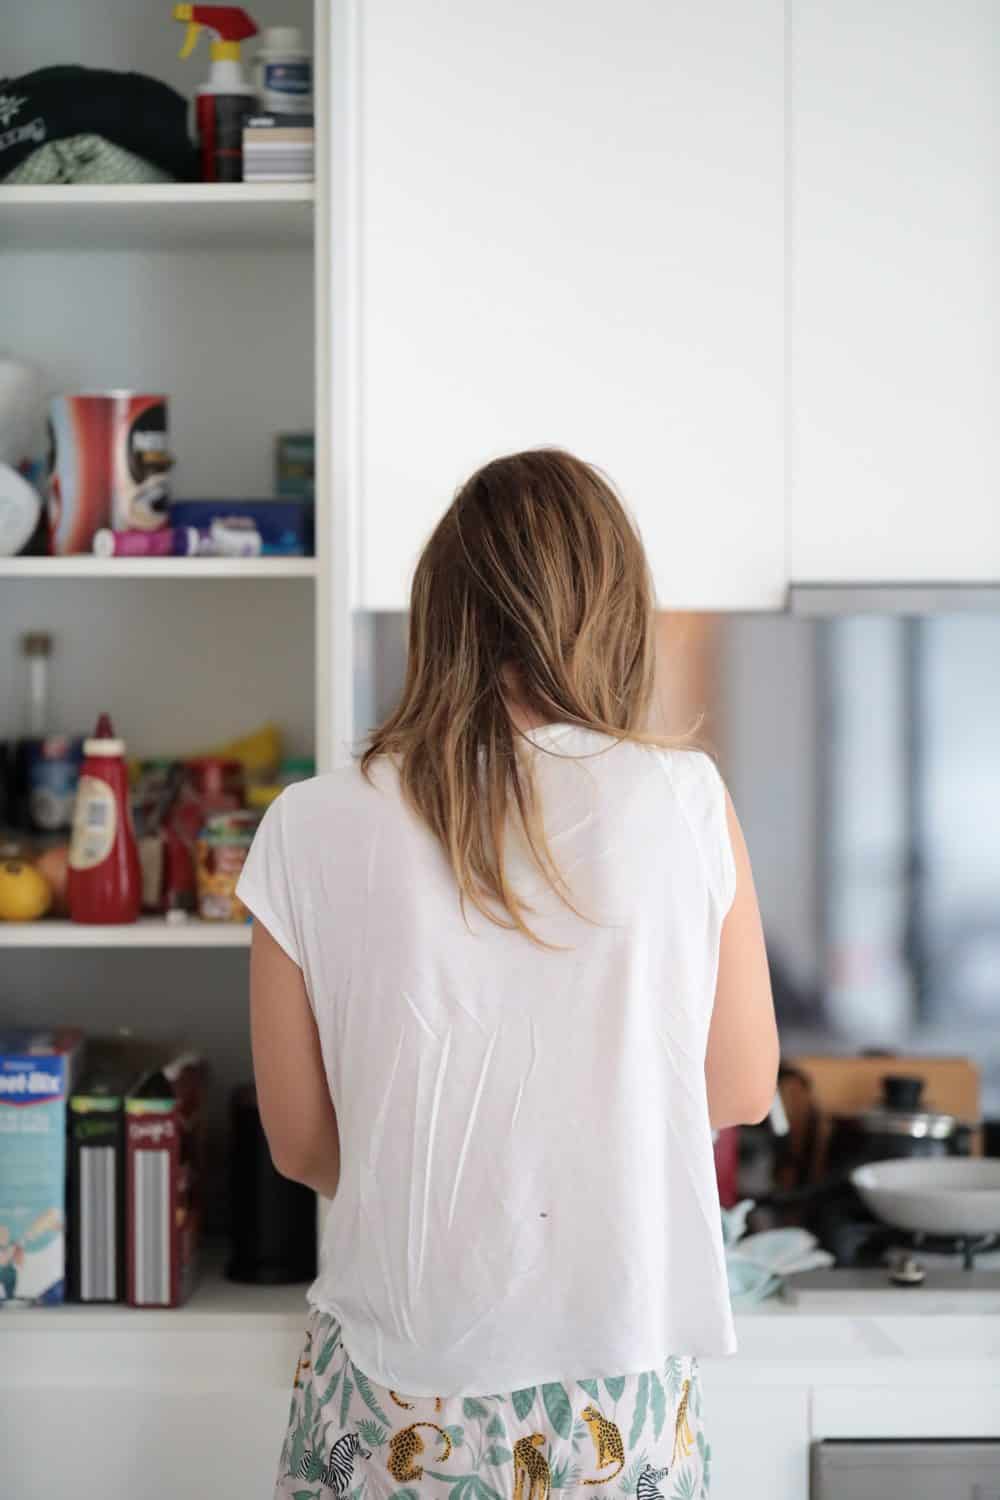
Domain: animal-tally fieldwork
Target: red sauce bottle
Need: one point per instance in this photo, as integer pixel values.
(105, 882)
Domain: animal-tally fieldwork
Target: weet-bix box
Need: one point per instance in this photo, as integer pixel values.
(37, 1072)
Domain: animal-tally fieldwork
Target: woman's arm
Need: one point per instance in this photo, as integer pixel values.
(296, 1110)
(741, 1065)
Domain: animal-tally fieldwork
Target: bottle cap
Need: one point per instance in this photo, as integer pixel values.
(282, 39)
(104, 740)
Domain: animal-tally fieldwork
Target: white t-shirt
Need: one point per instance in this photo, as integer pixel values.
(527, 1187)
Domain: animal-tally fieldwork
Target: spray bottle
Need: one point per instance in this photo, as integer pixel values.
(223, 103)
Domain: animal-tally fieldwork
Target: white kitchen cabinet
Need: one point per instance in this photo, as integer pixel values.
(895, 291)
(113, 1402)
(113, 1444)
(759, 1437)
(570, 232)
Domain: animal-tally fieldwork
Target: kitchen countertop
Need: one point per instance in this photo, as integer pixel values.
(250, 1333)
(224, 1363)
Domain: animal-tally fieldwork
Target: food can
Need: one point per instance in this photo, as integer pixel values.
(140, 461)
(108, 465)
(221, 853)
(79, 472)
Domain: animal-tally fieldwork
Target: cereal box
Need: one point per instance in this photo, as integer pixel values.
(37, 1072)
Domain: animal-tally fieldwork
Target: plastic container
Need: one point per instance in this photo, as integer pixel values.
(105, 880)
(169, 541)
(225, 100)
(283, 72)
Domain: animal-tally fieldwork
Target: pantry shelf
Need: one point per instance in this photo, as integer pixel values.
(87, 566)
(149, 932)
(215, 1301)
(160, 216)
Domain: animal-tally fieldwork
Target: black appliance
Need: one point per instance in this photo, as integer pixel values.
(272, 1220)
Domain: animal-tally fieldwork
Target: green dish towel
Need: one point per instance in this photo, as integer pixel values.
(83, 159)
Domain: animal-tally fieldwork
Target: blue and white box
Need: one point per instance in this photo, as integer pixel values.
(37, 1072)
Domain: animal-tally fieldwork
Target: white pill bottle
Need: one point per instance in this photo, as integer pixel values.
(283, 72)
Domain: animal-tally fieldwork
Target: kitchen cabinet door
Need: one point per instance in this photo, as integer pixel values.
(570, 231)
(114, 1443)
(895, 291)
(759, 1436)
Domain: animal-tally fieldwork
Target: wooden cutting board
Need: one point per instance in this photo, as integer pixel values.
(848, 1085)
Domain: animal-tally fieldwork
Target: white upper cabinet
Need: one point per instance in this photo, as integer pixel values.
(895, 375)
(571, 232)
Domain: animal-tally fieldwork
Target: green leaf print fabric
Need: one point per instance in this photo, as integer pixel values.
(560, 1413)
(523, 1401)
(658, 1402)
(639, 1413)
(349, 1438)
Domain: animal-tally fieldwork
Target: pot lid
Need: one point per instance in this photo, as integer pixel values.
(916, 1124)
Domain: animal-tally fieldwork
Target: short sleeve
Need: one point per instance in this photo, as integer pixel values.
(726, 864)
(702, 794)
(265, 886)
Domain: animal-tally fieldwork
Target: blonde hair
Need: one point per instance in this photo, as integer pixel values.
(534, 576)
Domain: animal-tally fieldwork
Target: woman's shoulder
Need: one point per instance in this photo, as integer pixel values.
(334, 794)
(689, 765)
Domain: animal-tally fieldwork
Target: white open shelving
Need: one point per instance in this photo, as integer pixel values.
(161, 216)
(87, 566)
(238, 302)
(148, 932)
(214, 1301)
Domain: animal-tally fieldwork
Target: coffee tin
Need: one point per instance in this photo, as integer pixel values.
(108, 465)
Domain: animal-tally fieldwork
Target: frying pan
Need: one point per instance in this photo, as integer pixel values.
(945, 1195)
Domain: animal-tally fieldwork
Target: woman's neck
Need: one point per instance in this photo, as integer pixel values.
(522, 717)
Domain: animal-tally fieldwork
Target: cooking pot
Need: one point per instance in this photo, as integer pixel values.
(898, 1126)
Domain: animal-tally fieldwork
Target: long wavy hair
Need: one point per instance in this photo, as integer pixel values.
(533, 589)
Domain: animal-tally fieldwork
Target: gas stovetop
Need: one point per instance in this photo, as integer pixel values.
(854, 1239)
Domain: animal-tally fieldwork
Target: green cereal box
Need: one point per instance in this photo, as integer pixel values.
(37, 1072)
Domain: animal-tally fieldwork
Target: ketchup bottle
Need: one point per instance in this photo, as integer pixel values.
(105, 882)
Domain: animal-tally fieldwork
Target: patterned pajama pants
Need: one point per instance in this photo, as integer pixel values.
(634, 1437)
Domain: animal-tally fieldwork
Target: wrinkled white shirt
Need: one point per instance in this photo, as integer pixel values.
(527, 1187)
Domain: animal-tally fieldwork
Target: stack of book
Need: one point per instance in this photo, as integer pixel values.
(278, 148)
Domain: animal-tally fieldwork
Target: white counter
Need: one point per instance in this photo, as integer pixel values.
(112, 1402)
